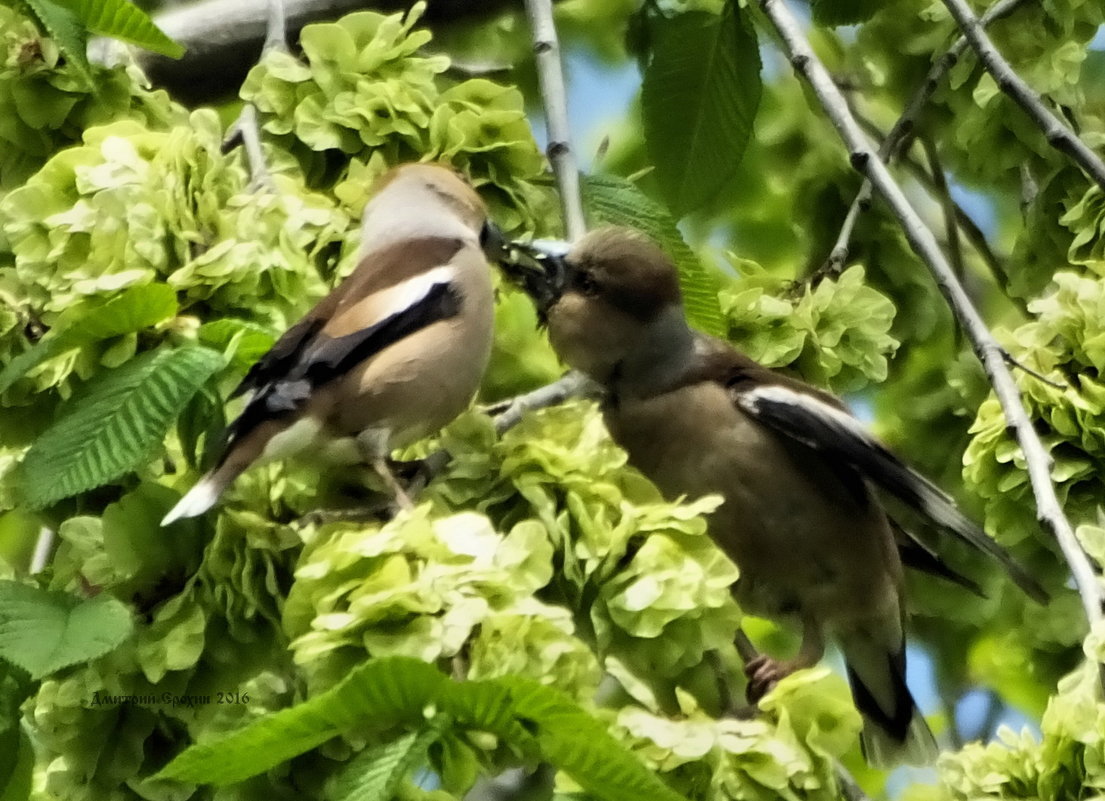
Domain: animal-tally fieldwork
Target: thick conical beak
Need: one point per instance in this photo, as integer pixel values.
(540, 268)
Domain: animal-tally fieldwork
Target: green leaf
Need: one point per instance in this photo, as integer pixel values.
(699, 97)
(17, 762)
(136, 308)
(844, 12)
(577, 743)
(381, 693)
(616, 201)
(113, 427)
(376, 773)
(65, 27)
(121, 19)
(43, 631)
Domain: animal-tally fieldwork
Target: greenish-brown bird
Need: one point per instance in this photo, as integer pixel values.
(797, 472)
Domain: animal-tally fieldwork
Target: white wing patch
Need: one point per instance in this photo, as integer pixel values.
(823, 427)
(402, 296)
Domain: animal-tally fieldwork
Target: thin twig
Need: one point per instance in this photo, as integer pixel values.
(947, 205)
(43, 546)
(550, 76)
(864, 159)
(276, 28)
(571, 385)
(849, 787)
(902, 130)
(1015, 362)
(1058, 134)
(246, 130)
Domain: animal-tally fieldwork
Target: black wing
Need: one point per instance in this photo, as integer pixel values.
(834, 432)
(318, 359)
(916, 555)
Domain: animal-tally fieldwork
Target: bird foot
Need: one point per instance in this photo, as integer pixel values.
(763, 673)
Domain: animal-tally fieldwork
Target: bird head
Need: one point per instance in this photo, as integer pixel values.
(422, 199)
(603, 298)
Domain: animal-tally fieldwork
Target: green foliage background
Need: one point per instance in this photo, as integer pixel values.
(141, 273)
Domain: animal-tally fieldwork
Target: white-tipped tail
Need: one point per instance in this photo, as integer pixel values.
(197, 500)
(883, 750)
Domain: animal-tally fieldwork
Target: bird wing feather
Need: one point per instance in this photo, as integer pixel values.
(830, 430)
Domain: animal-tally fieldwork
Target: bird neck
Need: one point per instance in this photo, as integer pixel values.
(661, 356)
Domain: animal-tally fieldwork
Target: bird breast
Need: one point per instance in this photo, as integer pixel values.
(805, 541)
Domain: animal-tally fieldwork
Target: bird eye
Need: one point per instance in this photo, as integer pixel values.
(586, 284)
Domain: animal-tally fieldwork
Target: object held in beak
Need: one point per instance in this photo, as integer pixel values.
(540, 268)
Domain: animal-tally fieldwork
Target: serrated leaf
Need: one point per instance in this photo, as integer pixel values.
(123, 20)
(399, 690)
(42, 631)
(381, 693)
(65, 28)
(616, 201)
(136, 308)
(115, 425)
(844, 12)
(699, 97)
(581, 746)
(376, 773)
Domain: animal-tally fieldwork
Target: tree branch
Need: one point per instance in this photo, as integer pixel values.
(902, 130)
(864, 159)
(571, 385)
(550, 76)
(1059, 136)
(221, 37)
(246, 129)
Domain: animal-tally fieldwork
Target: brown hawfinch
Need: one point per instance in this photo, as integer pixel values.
(394, 353)
(798, 474)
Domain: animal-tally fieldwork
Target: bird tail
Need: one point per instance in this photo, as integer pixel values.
(894, 731)
(204, 493)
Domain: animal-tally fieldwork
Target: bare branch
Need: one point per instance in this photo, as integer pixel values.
(947, 205)
(221, 37)
(571, 385)
(902, 131)
(1015, 362)
(554, 97)
(246, 129)
(43, 546)
(864, 159)
(1059, 136)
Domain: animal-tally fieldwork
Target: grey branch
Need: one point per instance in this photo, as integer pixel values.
(554, 96)
(571, 385)
(864, 159)
(44, 546)
(223, 36)
(246, 127)
(1058, 135)
(902, 131)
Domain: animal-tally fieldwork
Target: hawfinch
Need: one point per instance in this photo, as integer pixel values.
(391, 355)
(798, 474)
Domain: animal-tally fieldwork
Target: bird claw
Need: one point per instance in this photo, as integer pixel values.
(763, 674)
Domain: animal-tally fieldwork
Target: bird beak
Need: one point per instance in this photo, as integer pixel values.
(540, 268)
